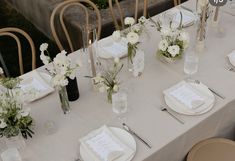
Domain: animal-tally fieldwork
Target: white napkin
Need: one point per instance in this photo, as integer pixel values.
(102, 145)
(115, 49)
(11, 154)
(186, 95)
(188, 17)
(34, 86)
(231, 57)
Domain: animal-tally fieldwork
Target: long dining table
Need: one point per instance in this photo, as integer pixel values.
(170, 139)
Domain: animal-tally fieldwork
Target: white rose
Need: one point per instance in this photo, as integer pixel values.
(45, 59)
(60, 80)
(1, 71)
(116, 35)
(132, 38)
(173, 50)
(129, 21)
(142, 20)
(163, 45)
(43, 47)
(2, 124)
(115, 88)
(62, 60)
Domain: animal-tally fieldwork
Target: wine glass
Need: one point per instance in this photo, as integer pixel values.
(191, 64)
(119, 104)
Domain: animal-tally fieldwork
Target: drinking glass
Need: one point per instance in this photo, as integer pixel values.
(119, 104)
(191, 64)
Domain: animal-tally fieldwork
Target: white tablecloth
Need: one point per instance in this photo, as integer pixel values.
(170, 140)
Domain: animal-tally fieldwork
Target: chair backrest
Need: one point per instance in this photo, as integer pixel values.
(177, 2)
(121, 14)
(10, 31)
(215, 149)
(61, 8)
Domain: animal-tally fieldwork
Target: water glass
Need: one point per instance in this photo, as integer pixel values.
(191, 63)
(119, 103)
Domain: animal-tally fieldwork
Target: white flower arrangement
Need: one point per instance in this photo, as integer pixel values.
(107, 79)
(61, 68)
(174, 39)
(131, 34)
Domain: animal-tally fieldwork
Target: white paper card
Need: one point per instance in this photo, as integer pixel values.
(138, 63)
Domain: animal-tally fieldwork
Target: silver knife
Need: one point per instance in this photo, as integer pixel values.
(175, 117)
(216, 93)
(128, 129)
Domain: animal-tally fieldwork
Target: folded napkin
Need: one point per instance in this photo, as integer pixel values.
(103, 145)
(34, 86)
(188, 17)
(231, 57)
(115, 49)
(11, 154)
(186, 95)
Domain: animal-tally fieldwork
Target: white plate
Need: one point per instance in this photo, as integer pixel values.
(204, 108)
(108, 42)
(231, 58)
(121, 134)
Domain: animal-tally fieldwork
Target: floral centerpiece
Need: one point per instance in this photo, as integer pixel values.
(61, 68)
(132, 35)
(107, 80)
(174, 40)
(15, 120)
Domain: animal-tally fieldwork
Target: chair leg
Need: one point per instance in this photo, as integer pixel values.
(6, 72)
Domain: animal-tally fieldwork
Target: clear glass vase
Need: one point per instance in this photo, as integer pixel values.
(131, 50)
(110, 92)
(17, 142)
(64, 100)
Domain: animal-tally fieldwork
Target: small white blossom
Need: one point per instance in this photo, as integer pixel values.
(116, 35)
(43, 47)
(116, 60)
(166, 31)
(115, 88)
(2, 124)
(59, 80)
(163, 45)
(142, 20)
(132, 38)
(62, 60)
(129, 21)
(1, 71)
(45, 59)
(73, 74)
(173, 50)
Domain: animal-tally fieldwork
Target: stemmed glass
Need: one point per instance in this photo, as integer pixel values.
(191, 64)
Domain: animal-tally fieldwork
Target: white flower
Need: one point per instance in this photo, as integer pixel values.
(116, 35)
(173, 50)
(2, 124)
(73, 74)
(129, 21)
(45, 59)
(116, 60)
(142, 20)
(115, 88)
(25, 112)
(62, 60)
(184, 36)
(1, 71)
(132, 38)
(163, 45)
(59, 80)
(43, 47)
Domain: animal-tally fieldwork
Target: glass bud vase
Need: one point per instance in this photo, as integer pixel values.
(131, 54)
(64, 99)
(17, 142)
(110, 92)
